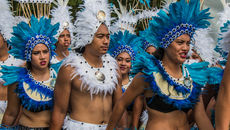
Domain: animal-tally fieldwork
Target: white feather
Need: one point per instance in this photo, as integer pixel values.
(61, 14)
(204, 45)
(87, 74)
(6, 20)
(87, 23)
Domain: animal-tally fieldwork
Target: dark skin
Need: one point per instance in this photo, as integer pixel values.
(63, 44)
(222, 115)
(175, 120)
(69, 96)
(11, 112)
(3, 57)
(40, 73)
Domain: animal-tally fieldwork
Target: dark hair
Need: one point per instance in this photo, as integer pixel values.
(159, 53)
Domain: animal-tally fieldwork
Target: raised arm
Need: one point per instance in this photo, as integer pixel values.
(13, 106)
(137, 110)
(222, 116)
(61, 97)
(201, 117)
(136, 88)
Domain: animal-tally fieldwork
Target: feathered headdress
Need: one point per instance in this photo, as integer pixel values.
(93, 14)
(6, 20)
(223, 45)
(62, 15)
(205, 45)
(126, 19)
(26, 37)
(181, 18)
(123, 42)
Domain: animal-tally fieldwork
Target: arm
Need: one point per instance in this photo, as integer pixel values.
(201, 117)
(13, 106)
(61, 97)
(136, 88)
(137, 110)
(222, 116)
(123, 123)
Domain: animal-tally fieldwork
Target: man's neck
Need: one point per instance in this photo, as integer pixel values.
(61, 54)
(173, 68)
(4, 53)
(92, 59)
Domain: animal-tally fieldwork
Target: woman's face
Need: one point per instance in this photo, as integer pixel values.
(151, 50)
(40, 57)
(177, 51)
(124, 62)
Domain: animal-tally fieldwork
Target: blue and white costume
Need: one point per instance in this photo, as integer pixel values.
(7, 21)
(35, 96)
(176, 94)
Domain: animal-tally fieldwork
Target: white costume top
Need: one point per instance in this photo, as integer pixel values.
(95, 80)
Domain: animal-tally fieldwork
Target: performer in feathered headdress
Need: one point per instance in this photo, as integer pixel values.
(62, 15)
(32, 86)
(124, 48)
(7, 21)
(171, 88)
(88, 82)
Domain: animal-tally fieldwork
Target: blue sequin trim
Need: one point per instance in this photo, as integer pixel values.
(27, 102)
(179, 104)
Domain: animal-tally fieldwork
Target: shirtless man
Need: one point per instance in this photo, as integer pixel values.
(222, 115)
(84, 107)
(88, 84)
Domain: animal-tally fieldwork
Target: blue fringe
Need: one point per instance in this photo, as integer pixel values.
(179, 104)
(177, 87)
(27, 102)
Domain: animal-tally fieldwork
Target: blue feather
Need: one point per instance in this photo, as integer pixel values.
(179, 13)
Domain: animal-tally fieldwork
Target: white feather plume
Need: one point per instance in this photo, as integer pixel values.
(144, 117)
(204, 45)
(6, 19)
(87, 22)
(224, 16)
(148, 13)
(126, 19)
(61, 14)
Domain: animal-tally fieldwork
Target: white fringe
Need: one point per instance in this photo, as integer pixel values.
(144, 117)
(87, 74)
(70, 124)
